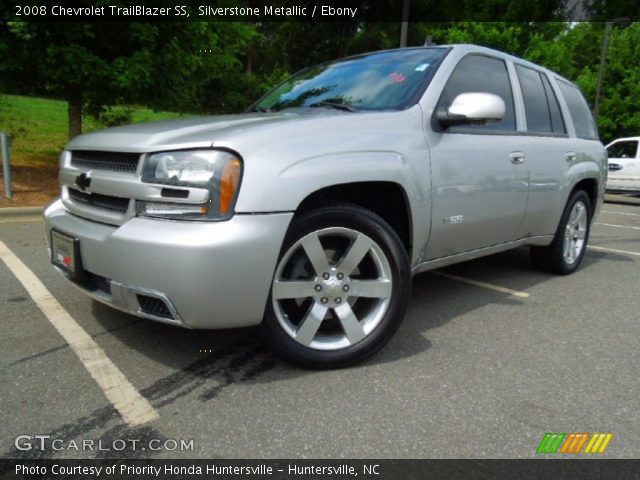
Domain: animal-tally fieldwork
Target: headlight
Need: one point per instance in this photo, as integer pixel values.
(218, 171)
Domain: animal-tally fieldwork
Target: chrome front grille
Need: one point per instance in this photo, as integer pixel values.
(97, 160)
(104, 202)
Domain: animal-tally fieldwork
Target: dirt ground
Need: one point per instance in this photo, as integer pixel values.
(34, 185)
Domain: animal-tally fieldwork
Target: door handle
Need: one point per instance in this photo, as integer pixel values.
(614, 166)
(517, 158)
(570, 157)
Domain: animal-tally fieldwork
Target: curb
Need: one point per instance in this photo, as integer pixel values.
(20, 211)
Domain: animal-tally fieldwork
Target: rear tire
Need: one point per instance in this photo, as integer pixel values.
(565, 253)
(340, 289)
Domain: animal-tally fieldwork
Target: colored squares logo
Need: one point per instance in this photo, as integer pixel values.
(574, 443)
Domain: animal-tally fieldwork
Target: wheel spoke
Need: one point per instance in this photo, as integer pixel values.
(371, 288)
(310, 324)
(581, 214)
(350, 323)
(574, 215)
(580, 234)
(292, 289)
(576, 252)
(316, 254)
(356, 253)
(566, 246)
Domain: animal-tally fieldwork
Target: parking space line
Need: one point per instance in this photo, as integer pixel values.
(20, 218)
(622, 213)
(477, 283)
(613, 250)
(618, 226)
(132, 406)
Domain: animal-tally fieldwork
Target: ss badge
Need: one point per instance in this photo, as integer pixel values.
(454, 219)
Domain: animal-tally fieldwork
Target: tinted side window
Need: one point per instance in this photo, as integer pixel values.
(557, 122)
(580, 113)
(535, 100)
(624, 149)
(478, 73)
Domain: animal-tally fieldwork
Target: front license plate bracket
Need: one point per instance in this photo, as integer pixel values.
(65, 254)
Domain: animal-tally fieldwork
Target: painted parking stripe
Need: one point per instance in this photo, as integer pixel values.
(622, 213)
(618, 226)
(613, 250)
(477, 283)
(20, 218)
(133, 407)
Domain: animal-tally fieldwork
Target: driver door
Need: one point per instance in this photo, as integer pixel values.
(480, 177)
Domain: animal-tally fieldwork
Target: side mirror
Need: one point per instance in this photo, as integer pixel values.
(472, 109)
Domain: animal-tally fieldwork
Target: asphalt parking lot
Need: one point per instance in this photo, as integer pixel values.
(492, 355)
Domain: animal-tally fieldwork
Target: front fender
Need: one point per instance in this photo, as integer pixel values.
(286, 189)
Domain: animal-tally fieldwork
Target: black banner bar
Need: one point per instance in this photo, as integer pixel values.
(556, 469)
(314, 11)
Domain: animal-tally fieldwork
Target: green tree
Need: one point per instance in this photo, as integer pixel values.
(575, 53)
(95, 65)
(619, 114)
(570, 51)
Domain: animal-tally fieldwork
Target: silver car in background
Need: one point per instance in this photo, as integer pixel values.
(311, 212)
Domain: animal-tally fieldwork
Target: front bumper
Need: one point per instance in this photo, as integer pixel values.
(207, 275)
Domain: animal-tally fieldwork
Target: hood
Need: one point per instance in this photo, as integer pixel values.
(191, 132)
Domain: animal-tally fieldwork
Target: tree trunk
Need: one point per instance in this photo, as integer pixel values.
(75, 115)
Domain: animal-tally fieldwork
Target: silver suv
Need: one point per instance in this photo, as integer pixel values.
(310, 213)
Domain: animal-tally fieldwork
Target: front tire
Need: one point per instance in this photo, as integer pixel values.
(340, 289)
(565, 253)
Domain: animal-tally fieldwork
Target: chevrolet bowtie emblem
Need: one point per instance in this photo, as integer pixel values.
(83, 181)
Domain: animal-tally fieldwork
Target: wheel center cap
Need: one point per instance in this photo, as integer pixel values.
(332, 287)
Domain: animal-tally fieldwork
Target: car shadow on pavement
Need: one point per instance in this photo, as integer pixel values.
(631, 199)
(435, 301)
(241, 354)
(203, 364)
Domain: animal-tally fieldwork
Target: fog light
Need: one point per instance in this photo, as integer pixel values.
(173, 210)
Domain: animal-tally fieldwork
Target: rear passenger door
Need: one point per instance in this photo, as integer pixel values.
(549, 150)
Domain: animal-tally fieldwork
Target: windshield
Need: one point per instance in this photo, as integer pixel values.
(377, 81)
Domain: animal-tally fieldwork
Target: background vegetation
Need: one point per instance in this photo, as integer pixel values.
(105, 74)
(38, 126)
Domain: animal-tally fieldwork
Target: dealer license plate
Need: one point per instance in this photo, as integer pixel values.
(64, 252)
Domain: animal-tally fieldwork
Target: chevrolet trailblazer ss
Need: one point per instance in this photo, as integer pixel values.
(311, 212)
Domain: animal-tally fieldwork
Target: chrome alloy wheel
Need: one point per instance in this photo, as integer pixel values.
(575, 233)
(332, 288)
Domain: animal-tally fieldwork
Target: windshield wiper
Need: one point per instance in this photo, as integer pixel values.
(339, 106)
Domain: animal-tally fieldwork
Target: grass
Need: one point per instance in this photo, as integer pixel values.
(39, 127)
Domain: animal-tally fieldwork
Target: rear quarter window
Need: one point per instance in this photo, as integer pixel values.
(579, 111)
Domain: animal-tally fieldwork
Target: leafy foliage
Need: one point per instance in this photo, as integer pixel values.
(223, 67)
(619, 113)
(94, 65)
